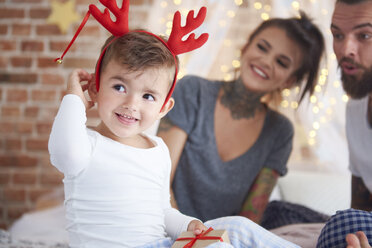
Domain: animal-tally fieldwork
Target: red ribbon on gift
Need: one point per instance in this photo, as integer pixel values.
(199, 237)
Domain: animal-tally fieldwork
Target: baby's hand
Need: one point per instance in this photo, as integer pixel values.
(197, 227)
(75, 87)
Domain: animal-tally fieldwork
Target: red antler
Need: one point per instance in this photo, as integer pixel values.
(120, 26)
(175, 42)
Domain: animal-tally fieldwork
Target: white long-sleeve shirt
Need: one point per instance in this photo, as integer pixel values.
(359, 137)
(115, 195)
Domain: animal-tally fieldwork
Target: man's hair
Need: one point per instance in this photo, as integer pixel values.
(138, 51)
(352, 1)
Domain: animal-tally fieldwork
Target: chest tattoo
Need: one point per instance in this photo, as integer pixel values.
(241, 102)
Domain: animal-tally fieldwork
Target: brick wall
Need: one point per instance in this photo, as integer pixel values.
(31, 87)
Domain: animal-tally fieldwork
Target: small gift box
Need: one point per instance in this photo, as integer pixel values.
(188, 239)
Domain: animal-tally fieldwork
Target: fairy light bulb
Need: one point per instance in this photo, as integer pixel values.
(257, 5)
(284, 104)
(235, 63)
(315, 109)
(238, 2)
(312, 134)
(318, 88)
(322, 79)
(313, 99)
(177, 2)
(286, 92)
(228, 77)
(296, 5)
(297, 89)
(265, 16)
(294, 104)
(316, 125)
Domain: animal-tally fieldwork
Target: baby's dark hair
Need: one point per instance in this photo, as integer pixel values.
(137, 50)
(308, 36)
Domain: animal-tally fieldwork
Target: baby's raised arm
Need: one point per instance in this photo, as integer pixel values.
(69, 144)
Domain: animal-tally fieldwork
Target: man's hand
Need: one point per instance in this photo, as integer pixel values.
(197, 227)
(358, 240)
(75, 87)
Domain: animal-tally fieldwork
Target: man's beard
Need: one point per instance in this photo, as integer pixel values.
(354, 87)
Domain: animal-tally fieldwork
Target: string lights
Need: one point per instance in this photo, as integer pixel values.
(322, 108)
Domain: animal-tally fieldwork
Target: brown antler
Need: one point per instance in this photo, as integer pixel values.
(120, 26)
(175, 42)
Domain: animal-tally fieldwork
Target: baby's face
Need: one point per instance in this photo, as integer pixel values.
(129, 102)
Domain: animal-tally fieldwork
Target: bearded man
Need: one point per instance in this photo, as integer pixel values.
(352, 43)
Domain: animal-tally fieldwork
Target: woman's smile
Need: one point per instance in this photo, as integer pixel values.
(259, 72)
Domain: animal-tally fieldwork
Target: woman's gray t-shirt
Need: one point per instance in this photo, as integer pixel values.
(205, 187)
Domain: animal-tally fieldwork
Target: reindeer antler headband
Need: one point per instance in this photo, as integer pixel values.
(118, 28)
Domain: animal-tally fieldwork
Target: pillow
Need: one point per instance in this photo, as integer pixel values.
(324, 192)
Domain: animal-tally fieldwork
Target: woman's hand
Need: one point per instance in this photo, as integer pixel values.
(197, 227)
(75, 87)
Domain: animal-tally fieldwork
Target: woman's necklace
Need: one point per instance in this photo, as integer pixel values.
(242, 103)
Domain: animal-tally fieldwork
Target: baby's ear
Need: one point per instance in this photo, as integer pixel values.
(92, 90)
(166, 108)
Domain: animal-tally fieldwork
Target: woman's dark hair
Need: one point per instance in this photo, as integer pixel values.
(308, 36)
(352, 1)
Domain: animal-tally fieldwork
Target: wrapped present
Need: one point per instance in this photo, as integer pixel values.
(189, 240)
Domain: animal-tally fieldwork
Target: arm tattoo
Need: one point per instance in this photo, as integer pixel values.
(165, 125)
(361, 198)
(256, 202)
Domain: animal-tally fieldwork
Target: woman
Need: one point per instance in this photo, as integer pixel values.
(228, 147)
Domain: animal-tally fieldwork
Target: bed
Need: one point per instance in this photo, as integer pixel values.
(320, 192)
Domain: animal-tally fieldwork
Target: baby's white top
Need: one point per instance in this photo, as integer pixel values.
(115, 195)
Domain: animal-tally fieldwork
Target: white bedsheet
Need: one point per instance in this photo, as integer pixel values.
(45, 226)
